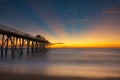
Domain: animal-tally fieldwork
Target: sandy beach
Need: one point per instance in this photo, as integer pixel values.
(18, 76)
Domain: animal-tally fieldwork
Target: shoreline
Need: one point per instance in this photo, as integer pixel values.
(19, 76)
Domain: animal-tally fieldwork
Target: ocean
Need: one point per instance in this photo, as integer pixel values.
(96, 63)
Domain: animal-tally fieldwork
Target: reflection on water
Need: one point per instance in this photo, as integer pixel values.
(67, 62)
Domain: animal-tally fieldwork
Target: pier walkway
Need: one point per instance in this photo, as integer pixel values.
(16, 41)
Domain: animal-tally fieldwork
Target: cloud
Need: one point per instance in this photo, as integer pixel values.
(84, 20)
(76, 21)
(3, 1)
(113, 10)
(57, 43)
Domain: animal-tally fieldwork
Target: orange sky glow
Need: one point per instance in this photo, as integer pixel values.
(101, 35)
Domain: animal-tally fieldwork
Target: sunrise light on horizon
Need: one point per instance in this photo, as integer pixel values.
(72, 23)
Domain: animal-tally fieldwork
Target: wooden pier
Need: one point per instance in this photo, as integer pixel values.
(16, 41)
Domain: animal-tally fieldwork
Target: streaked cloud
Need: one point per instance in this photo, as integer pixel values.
(3, 2)
(57, 43)
(113, 10)
(85, 20)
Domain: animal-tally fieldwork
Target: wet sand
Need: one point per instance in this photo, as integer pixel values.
(18, 76)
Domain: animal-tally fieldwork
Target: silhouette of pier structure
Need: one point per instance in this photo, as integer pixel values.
(16, 41)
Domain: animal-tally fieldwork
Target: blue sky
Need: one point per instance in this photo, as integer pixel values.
(52, 16)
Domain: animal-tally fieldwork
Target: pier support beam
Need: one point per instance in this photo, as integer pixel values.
(28, 46)
(2, 46)
(6, 50)
(17, 45)
(32, 47)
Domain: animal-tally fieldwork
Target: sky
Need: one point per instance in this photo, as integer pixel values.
(66, 23)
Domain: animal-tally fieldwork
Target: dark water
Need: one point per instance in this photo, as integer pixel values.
(67, 62)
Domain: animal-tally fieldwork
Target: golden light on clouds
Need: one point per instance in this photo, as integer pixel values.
(100, 35)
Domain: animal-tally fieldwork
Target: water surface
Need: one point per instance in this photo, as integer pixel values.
(67, 62)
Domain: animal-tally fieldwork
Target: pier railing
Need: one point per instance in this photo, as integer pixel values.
(18, 38)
